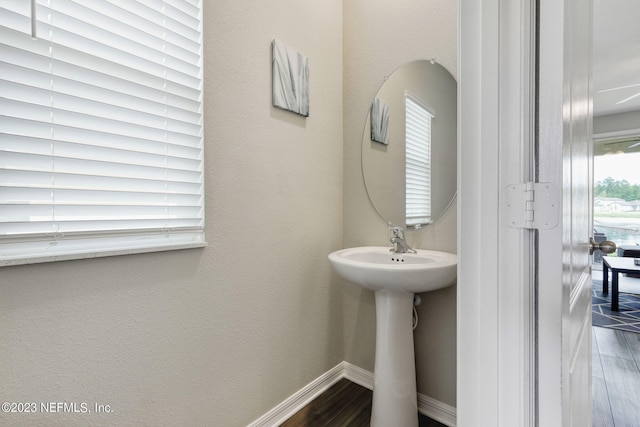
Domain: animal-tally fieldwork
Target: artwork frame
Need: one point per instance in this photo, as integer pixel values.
(290, 79)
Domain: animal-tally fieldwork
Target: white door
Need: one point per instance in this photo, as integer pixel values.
(566, 157)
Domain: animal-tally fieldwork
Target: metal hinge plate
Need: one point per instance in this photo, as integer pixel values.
(532, 205)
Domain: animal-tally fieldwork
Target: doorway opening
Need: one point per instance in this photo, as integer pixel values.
(616, 196)
(616, 217)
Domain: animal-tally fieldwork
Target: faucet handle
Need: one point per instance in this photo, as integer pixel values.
(400, 245)
(397, 232)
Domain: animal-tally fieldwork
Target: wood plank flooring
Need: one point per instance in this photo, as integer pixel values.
(344, 404)
(616, 378)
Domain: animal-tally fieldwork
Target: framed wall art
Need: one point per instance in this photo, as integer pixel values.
(290, 75)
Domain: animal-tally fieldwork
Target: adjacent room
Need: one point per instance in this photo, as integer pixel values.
(616, 216)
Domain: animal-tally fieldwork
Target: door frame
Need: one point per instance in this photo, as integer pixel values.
(496, 316)
(499, 334)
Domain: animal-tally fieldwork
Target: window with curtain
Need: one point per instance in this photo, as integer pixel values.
(418, 161)
(101, 134)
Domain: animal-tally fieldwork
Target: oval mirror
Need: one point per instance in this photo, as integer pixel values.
(409, 145)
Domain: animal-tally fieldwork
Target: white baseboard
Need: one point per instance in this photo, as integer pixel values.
(300, 399)
(436, 410)
(357, 375)
(428, 406)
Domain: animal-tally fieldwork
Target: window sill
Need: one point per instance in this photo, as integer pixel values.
(66, 251)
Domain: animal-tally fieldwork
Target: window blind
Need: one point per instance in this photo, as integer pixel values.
(101, 134)
(418, 161)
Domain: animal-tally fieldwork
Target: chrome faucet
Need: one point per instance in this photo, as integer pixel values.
(399, 244)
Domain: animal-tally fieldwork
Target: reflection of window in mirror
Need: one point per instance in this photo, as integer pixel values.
(418, 161)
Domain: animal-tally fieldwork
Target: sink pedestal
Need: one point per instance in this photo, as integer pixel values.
(394, 277)
(395, 401)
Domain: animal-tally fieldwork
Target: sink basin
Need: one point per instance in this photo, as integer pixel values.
(395, 278)
(376, 268)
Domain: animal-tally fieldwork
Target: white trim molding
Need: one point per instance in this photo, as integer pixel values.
(357, 375)
(436, 410)
(496, 147)
(300, 399)
(428, 406)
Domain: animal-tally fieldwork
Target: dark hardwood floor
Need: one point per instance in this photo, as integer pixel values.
(616, 378)
(344, 404)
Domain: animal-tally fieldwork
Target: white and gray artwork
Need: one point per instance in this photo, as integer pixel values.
(380, 121)
(290, 79)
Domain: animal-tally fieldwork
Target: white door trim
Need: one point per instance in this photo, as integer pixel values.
(496, 347)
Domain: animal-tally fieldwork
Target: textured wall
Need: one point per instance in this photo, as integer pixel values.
(216, 336)
(379, 36)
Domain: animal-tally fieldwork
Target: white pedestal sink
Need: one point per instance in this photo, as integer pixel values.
(395, 277)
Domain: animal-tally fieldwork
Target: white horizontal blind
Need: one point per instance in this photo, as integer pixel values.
(418, 162)
(101, 147)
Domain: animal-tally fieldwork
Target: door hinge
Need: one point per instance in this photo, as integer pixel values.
(532, 205)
